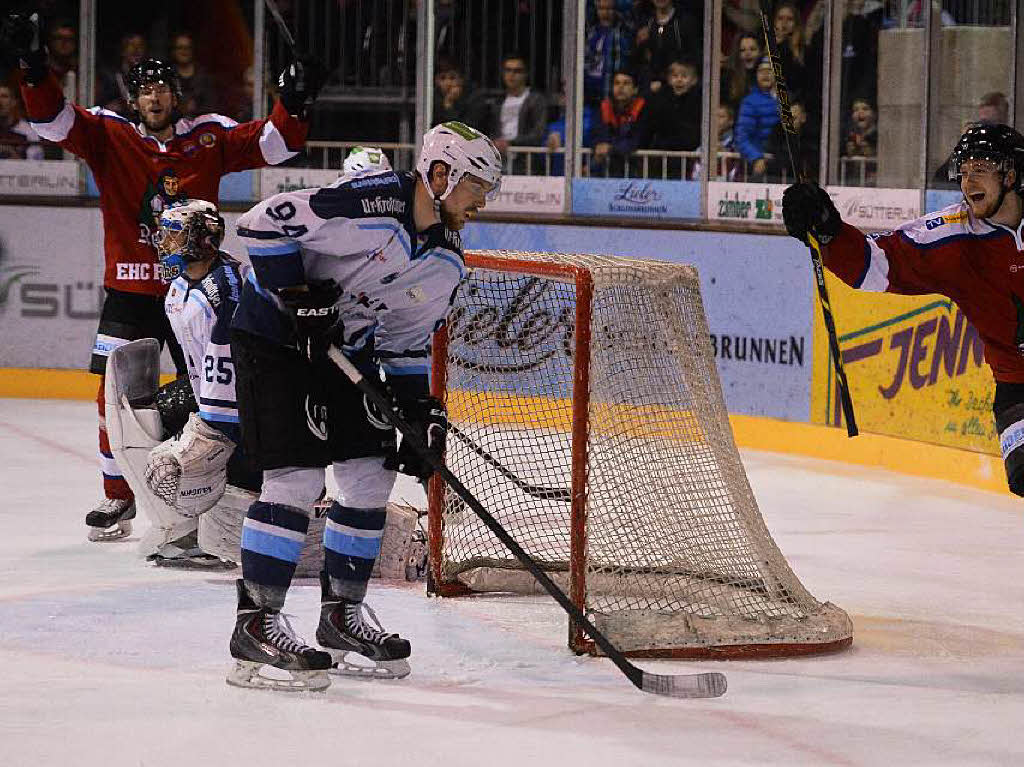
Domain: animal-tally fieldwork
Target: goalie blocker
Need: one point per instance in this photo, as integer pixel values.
(205, 504)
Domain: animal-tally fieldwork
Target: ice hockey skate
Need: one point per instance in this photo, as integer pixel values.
(185, 554)
(343, 630)
(263, 637)
(111, 520)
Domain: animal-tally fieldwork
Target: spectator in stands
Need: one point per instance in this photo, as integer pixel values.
(17, 139)
(617, 133)
(607, 50)
(671, 31)
(671, 118)
(860, 52)
(791, 46)
(739, 77)
(994, 108)
(63, 46)
(758, 116)
(451, 102)
(727, 168)
(113, 86)
(807, 139)
(197, 88)
(519, 117)
(556, 134)
(862, 139)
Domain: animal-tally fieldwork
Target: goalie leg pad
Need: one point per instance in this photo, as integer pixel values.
(220, 529)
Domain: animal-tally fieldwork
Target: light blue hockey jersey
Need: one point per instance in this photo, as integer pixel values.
(397, 285)
(200, 314)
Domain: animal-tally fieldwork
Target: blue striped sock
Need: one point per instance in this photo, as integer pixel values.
(272, 539)
(351, 545)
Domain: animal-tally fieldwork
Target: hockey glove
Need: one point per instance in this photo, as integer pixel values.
(428, 415)
(298, 85)
(190, 473)
(314, 310)
(20, 36)
(807, 208)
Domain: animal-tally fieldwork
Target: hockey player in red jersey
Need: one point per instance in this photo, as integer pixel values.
(971, 252)
(140, 168)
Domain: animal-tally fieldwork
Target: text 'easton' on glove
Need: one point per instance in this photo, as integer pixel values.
(428, 415)
(807, 208)
(313, 307)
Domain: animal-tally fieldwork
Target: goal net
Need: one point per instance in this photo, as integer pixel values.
(587, 415)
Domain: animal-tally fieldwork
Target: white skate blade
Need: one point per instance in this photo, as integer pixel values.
(115, 532)
(382, 669)
(249, 674)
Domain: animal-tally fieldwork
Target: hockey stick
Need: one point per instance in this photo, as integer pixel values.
(706, 685)
(540, 492)
(793, 149)
(282, 27)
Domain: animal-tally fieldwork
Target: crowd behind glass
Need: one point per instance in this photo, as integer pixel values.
(497, 66)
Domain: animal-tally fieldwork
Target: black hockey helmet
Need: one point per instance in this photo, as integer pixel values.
(998, 143)
(152, 71)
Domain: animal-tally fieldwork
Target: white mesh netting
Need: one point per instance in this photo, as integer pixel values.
(674, 557)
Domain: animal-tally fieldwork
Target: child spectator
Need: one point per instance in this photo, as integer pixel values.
(671, 118)
(617, 135)
(758, 116)
(607, 50)
(807, 139)
(727, 169)
(668, 32)
(738, 79)
(862, 140)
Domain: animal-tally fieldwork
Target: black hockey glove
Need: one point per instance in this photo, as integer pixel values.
(299, 83)
(427, 414)
(314, 310)
(806, 207)
(21, 39)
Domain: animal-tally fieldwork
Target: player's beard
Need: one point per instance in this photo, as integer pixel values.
(155, 126)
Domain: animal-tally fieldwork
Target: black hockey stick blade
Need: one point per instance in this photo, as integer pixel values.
(817, 263)
(540, 492)
(707, 685)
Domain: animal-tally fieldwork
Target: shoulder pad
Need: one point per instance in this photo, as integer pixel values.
(370, 196)
(953, 220)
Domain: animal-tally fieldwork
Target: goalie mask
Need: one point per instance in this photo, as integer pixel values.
(363, 158)
(189, 232)
(464, 151)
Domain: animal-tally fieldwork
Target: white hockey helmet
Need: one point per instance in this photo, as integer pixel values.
(189, 231)
(465, 151)
(366, 158)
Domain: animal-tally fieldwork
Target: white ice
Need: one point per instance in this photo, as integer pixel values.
(108, 661)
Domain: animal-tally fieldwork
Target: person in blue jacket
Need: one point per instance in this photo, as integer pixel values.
(758, 116)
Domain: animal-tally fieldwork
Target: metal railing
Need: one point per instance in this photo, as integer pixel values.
(858, 171)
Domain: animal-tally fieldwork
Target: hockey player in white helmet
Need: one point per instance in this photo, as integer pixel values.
(186, 475)
(369, 264)
(366, 158)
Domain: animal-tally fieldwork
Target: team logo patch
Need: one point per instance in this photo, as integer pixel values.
(207, 139)
(374, 416)
(316, 420)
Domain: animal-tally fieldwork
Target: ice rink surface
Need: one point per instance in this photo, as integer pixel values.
(109, 661)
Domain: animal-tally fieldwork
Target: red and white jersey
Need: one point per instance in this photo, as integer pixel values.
(138, 176)
(978, 264)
